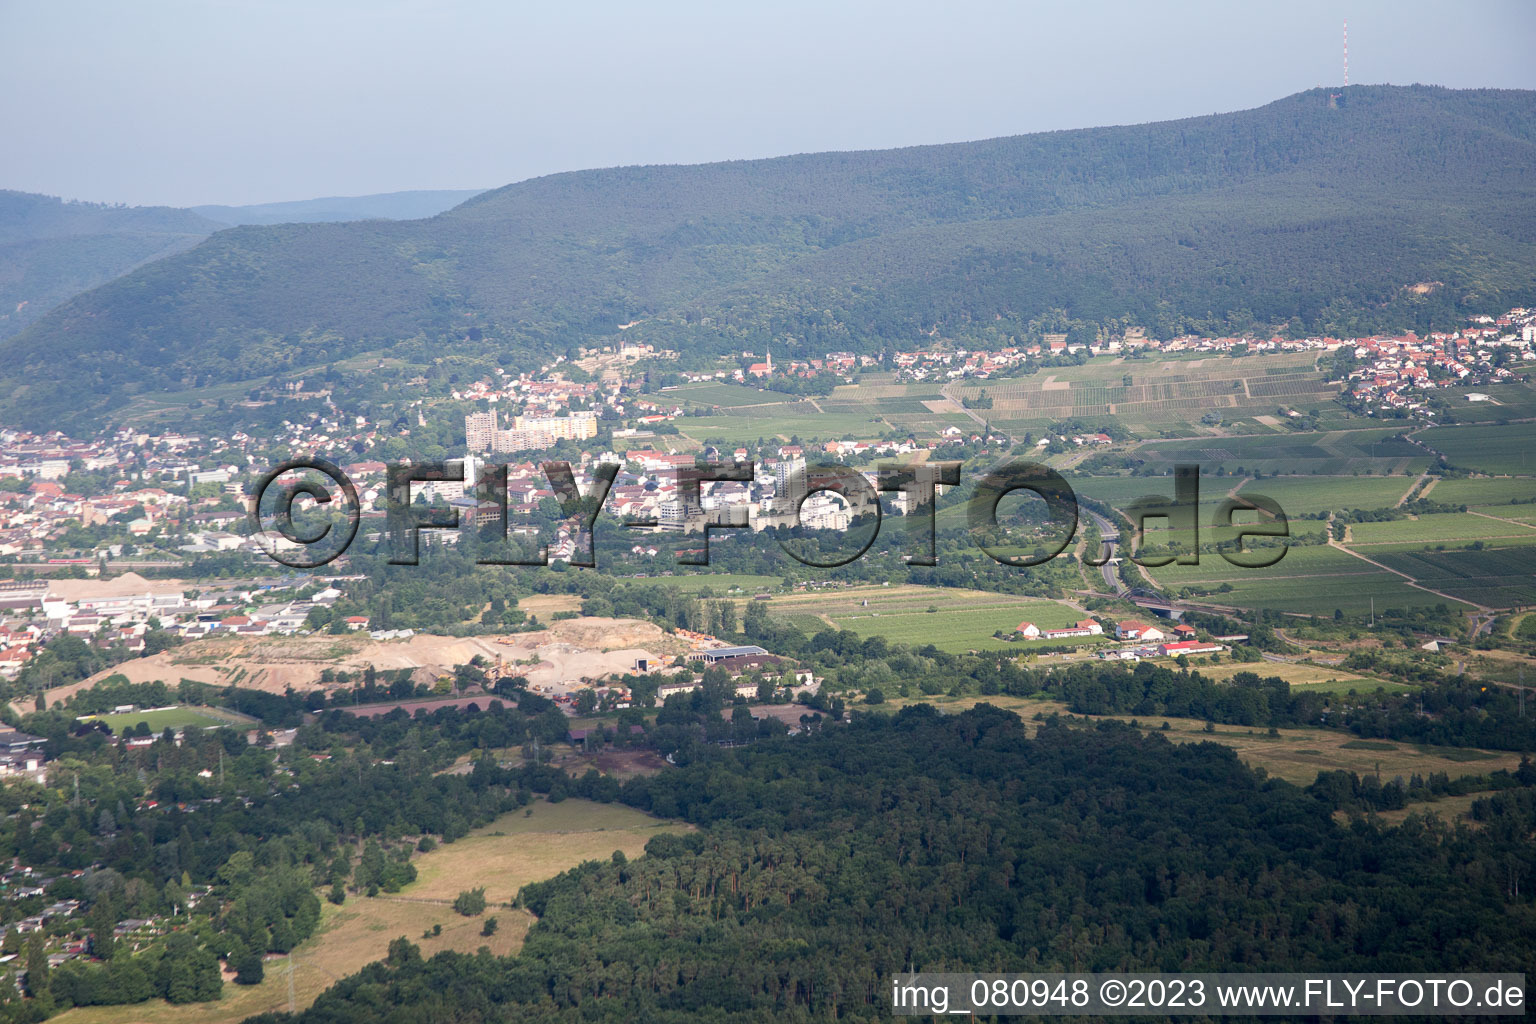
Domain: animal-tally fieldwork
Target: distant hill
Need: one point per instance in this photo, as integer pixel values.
(386, 206)
(1314, 213)
(52, 249)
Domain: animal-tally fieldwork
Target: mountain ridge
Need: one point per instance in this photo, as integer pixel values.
(1309, 213)
(52, 249)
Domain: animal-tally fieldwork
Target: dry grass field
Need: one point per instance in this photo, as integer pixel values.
(1296, 755)
(510, 852)
(519, 848)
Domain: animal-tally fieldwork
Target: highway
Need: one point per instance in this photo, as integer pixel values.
(1111, 537)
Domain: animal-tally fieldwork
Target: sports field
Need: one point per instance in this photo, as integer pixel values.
(959, 620)
(175, 718)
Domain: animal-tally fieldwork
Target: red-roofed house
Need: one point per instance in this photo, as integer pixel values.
(1133, 630)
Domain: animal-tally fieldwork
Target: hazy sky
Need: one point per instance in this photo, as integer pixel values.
(240, 101)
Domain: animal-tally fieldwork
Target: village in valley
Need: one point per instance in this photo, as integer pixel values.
(107, 539)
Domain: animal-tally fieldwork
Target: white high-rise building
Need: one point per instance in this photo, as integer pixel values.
(480, 431)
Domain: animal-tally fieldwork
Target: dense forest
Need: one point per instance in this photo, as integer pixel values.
(825, 863)
(51, 250)
(1311, 214)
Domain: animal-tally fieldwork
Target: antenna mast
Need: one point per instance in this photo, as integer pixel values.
(1346, 53)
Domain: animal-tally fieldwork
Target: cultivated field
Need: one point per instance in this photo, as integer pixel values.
(1447, 528)
(1498, 490)
(1488, 448)
(1159, 394)
(1325, 453)
(1302, 495)
(1314, 579)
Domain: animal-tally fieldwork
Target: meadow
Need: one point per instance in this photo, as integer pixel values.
(517, 848)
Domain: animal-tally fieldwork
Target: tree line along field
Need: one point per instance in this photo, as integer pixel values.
(1296, 754)
(1442, 528)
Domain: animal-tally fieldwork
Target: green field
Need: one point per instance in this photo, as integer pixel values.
(1485, 491)
(962, 620)
(174, 718)
(1491, 448)
(726, 396)
(1447, 528)
(770, 425)
(1162, 393)
(1323, 453)
(1499, 579)
(1510, 402)
(1301, 495)
(722, 582)
(1308, 579)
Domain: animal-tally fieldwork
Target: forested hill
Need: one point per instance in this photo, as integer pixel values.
(51, 250)
(1315, 212)
(825, 864)
(386, 205)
